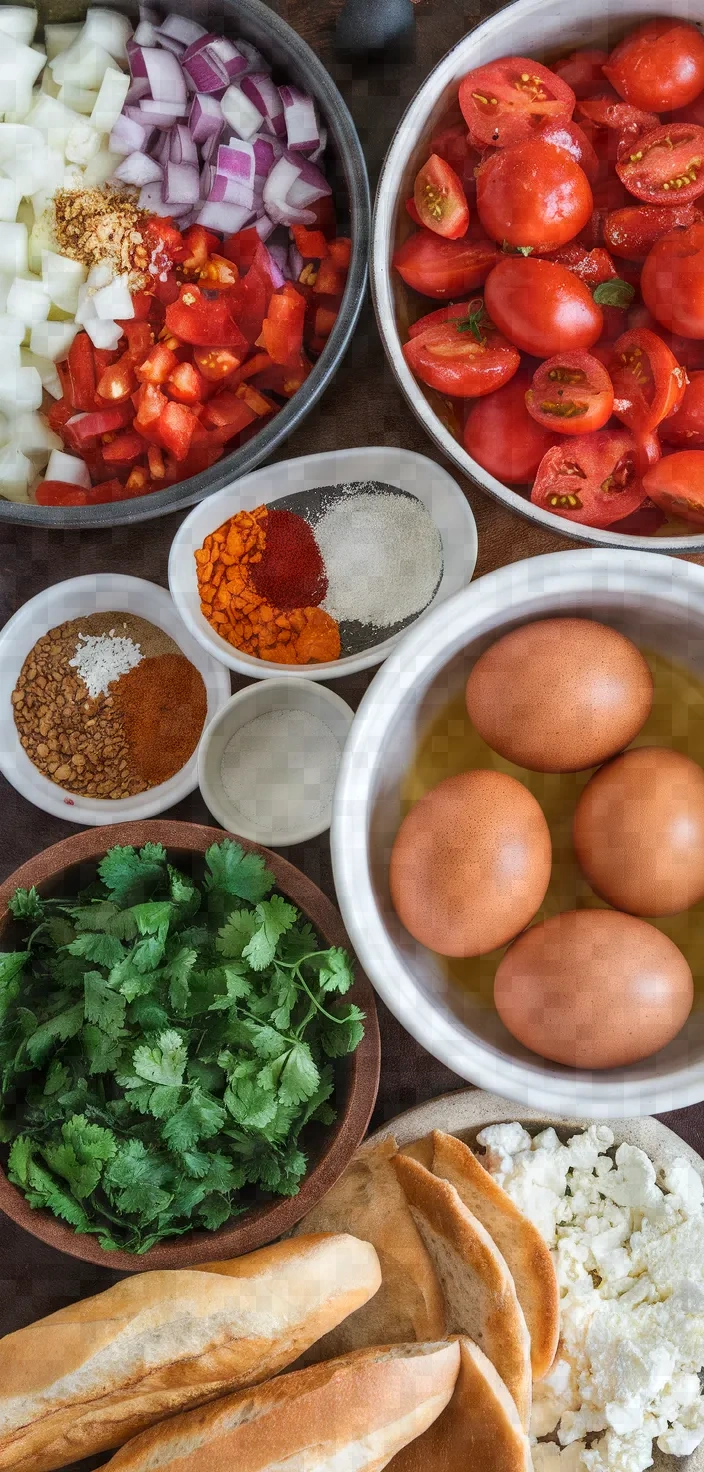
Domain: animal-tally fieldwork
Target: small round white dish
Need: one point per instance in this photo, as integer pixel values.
(410, 472)
(77, 598)
(245, 707)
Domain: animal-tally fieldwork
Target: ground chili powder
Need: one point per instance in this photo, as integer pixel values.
(291, 573)
(162, 703)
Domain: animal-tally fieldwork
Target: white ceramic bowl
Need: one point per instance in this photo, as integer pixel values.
(247, 705)
(403, 468)
(657, 601)
(78, 597)
(540, 28)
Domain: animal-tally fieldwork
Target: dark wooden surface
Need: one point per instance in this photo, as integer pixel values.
(362, 407)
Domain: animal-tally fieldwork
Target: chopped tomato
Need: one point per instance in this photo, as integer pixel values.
(256, 364)
(155, 461)
(157, 366)
(150, 406)
(341, 252)
(501, 436)
(631, 232)
(582, 71)
(251, 299)
(198, 243)
(167, 291)
(203, 316)
(140, 340)
(86, 427)
(60, 411)
(118, 381)
(216, 363)
(185, 384)
(466, 358)
(228, 412)
(676, 484)
(685, 428)
(592, 266)
(242, 248)
(311, 244)
(105, 357)
(440, 199)
(176, 427)
(279, 380)
(330, 279)
(571, 394)
(81, 372)
(126, 446)
(282, 329)
(665, 163)
(591, 478)
(659, 66)
(444, 268)
(142, 302)
(165, 243)
(648, 381)
(325, 319)
(502, 101)
(219, 271)
(63, 493)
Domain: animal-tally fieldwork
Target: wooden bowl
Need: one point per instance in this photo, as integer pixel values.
(71, 864)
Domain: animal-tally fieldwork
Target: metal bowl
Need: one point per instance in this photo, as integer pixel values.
(541, 28)
(347, 172)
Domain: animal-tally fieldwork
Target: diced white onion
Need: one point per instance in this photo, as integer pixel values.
(32, 435)
(244, 118)
(99, 276)
(46, 370)
(16, 471)
(62, 278)
(108, 29)
(19, 68)
(110, 100)
(67, 468)
(84, 64)
(138, 169)
(53, 119)
(103, 334)
(28, 301)
(20, 388)
(52, 340)
(81, 99)
(10, 195)
(12, 332)
(35, 168)
(100, 169)
(114, 302)
(13, 248)
(18, 21)
(59, 38)
(82, 143)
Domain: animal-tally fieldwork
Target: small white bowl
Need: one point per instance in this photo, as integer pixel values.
(439, 493)
(77, 598)
(258, 700)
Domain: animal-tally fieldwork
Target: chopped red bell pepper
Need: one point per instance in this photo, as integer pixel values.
(341, 252)
(118, 381)
(81, 372)
(282, 329)
(126, 447)
(242, 248)
(203, 316)
(176, 428)
(311, 244)
(252, 295)
(185, 384)
(228, 412)
(157, 366)
(104, 357)
(216, 363)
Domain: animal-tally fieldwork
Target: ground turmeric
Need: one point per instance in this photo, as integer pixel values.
(241, 616)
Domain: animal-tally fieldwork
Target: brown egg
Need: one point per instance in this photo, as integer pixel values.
(593, 989)
(560, 695)
(639, 831)
(471, 863)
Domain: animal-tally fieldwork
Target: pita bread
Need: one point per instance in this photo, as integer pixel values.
(479, 1430)
(479, 1291)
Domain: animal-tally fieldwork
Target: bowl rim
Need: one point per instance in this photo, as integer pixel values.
(282, 838)
(268, 440)
(386, 206)
(444, 633)
(97, 812)
(181, 570)
(264, 1224)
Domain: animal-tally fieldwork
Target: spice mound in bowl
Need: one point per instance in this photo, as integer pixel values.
(321, 574)
(107, 706)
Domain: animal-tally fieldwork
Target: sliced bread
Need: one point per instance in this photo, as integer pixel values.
(478, 1432)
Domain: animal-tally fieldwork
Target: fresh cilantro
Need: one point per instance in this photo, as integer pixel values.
(475, 321)
(614, 293)
(164, 1044)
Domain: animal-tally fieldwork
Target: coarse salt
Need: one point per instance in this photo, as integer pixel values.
(279, 771)
(101, 658)
(383, 557)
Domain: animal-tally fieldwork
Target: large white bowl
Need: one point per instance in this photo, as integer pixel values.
(540, 28)
(102, 592)
(432, 485)
(658, 602)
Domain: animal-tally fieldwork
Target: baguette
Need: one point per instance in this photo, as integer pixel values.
(478, 1432)
(479, 1290)
(346, 1415)
(368, 1201)
(91, 1376)
(526, 1252)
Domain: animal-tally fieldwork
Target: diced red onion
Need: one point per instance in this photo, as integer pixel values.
(186, 31)
(205, 117)
(169, 43)
(296, 261)
(226, 218)
(321, 146)
(147, 12)
(231, 191)
(165, 76)
(209, 149)
(260, 90)
(138, 169)
(244, 118)
(181, 184)
(311, 183)
(236, 161)
(204, 68)
(301, 195)
(162, 149)
(254, 59)
(266, 152)
(279, 255)
(264, 227)
(182, 147)
(151, 198)
(139, 88)
(229, 54)
(135, 57)
(275, 272)
(129, 136)
(301, 122)
(146, 34)
(277, 189)
(160, 114)
(206, 180)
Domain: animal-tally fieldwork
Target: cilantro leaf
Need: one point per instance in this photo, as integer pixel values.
(104, 915)
(102, 1052)
(103, 1006)
(26, 904)
(165, 1062)
(198, 1119)
(300, 1076)
(274, 917)
(129, 875)
(335, 973)
(343, 1035)
(56, 1030)
(150, 917)
(232, 871)
(614, 293)
(214, 1212)
(236, 933)
(102, 950)
(11, 968)
(178, 972)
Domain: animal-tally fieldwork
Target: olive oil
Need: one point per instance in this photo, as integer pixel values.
(452, 745)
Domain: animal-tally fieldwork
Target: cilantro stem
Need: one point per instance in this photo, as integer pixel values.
(318, 1006)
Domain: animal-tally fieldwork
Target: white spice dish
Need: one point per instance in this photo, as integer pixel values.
(415, 474)
(268, 762)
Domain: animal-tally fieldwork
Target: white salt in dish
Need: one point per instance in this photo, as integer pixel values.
(268, 762)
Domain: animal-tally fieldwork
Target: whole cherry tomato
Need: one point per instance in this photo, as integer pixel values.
(658, 66)
(465, 357)
(542, 307)
(571, 394)
(566, 134)
(502, 100)
(501, 436)
(533, 194)
(648, 381)
(444, 268)
(440, 199)
(590, 479)
(664, 163)
(676, 484)
(685, 428)
(672, 281)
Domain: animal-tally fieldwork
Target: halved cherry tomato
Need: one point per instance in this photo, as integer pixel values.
(566, 134)
(542, 307)
(216, 363)
(648, 381)
(501, 436)
(311, 244)
(689, 351)
(618, 118)
(571, 394)
(198, 243)
(440, 199)
(412, 211)
(533, 194)
(444, 268)
(467, 358)
(672, 282)
(176, 427)
(676, 484)
(157, 366)
(590, 479)
(685, 428)
(203, 316)
(185, 384)
(81, 372)
(592, 266)
(441, 314)
(632, 232)
(126, 446)
(658, 66)
(451, 144)
(665, 164)
(242, 247)
(282, 329)
(582, 71)
(503, 101)
(118, 381)
(87, 427)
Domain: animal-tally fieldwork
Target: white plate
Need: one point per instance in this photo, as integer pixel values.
(77, 598)
(467, 1111)
(403, 468)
